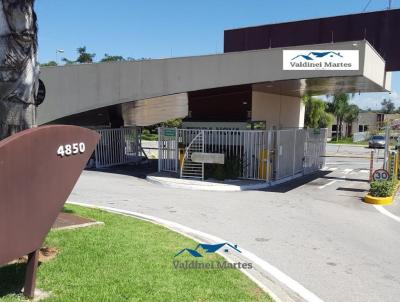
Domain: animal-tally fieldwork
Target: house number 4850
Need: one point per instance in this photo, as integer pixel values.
(71, 149)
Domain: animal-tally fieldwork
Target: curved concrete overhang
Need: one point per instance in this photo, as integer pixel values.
(73, 89)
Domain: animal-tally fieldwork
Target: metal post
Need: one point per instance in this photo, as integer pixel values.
(30, 275)
(176, 150)
(202, 150)
(277, 154)
(269, 150)
(159, 149)
(294, 152)
(387, 142)
(371, 166)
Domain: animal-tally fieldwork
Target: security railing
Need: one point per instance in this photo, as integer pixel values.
(269, 155)
(118, 146)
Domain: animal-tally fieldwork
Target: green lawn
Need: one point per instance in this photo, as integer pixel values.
(348, 140)
(127, 260)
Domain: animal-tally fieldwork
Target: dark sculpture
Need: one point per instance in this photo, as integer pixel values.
(40, 166)
(19, 70)
(38, 170)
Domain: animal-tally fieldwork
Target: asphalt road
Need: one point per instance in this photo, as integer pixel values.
(316, 230)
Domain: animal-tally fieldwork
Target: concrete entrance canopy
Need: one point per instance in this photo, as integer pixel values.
(74, 89)
(321, 86)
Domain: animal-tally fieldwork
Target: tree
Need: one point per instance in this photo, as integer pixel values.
(315, 113)
(108, 58)
(387, 106)
(339, 107)
(326, 120)
(175, 123)
(83, 56)
(50, 63)
(133, 59)
(67, 61)
(350, 116)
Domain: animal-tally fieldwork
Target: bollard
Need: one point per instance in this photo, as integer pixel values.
(371, 166)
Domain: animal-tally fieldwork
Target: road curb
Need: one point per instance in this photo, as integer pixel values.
(203, 185)
(278, 285)
(383, 201)
(378, 200)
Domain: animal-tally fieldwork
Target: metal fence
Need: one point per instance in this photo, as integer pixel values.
(361, 136)
(315, 149)
(168, 155)
(270, 155)
(118, 146)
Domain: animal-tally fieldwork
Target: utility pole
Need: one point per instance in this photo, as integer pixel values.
(390, 4)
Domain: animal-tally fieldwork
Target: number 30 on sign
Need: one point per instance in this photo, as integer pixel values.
(71, 149)
(380, 174)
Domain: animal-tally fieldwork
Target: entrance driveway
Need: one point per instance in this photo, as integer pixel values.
(317, 232)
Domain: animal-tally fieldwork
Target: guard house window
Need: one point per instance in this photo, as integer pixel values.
(362, 128)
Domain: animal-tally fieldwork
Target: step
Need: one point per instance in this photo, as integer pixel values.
(192, 174)
(192, 177)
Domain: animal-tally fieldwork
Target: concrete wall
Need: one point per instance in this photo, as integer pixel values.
(74, 89)
(375, 69)
(278, 111)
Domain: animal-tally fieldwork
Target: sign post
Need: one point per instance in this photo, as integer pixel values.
(371, 166)
(387, 143)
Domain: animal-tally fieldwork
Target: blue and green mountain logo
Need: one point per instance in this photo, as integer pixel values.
(204, 248)
(311, 56)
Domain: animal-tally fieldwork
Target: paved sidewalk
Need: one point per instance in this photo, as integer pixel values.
(166, 179)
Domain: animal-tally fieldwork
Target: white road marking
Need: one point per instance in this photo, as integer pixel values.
(347, 171)
(343, 177)
(269, 268)
(326, 168)
(328, 184)
(364, 171)
(387, 213)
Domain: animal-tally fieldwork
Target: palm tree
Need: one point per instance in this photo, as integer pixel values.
(340, 104)
(350, 116)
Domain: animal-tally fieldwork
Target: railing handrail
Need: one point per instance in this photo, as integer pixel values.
(187, 149)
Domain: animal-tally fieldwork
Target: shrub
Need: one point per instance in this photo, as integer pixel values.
(384, 188)
(230, 170)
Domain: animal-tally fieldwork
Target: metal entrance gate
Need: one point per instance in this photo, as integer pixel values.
(271, 155)
(315, 149)
(118, 146)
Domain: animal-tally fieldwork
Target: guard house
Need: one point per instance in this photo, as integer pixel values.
(227, 92)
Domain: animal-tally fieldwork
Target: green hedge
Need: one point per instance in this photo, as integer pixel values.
(383, 188)
(232, 169)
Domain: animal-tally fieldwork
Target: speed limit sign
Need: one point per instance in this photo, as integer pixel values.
(380, 175)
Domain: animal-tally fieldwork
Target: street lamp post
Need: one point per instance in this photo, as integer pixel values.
(57, 52)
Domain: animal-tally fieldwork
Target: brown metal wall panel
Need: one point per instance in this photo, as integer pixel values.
(381, 29)
(229, 104)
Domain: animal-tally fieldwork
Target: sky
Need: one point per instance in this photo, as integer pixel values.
(161, 28)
